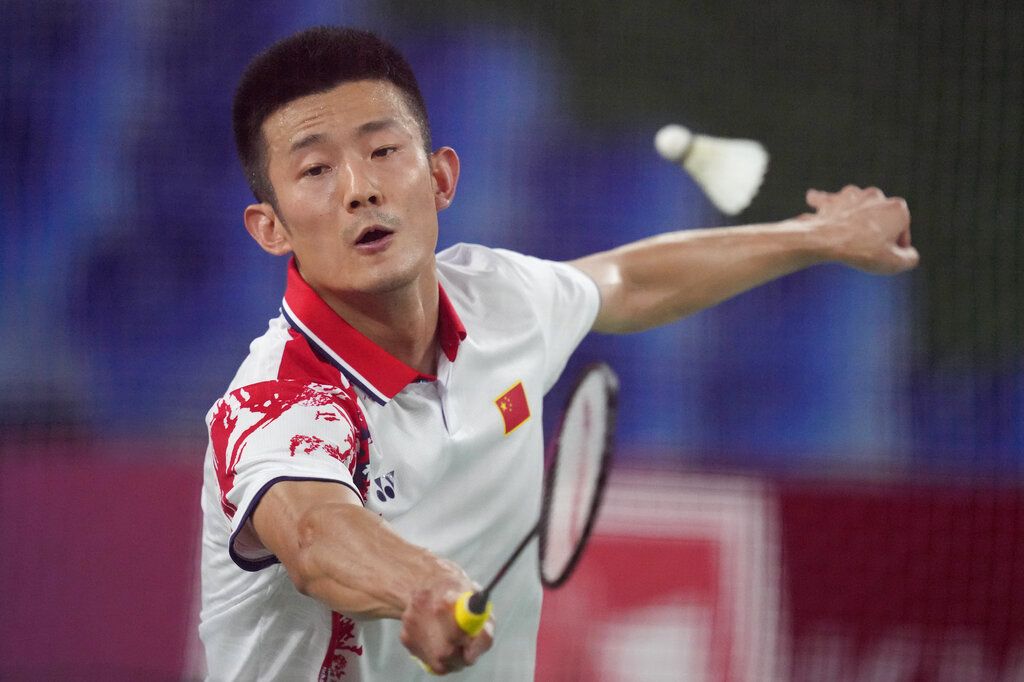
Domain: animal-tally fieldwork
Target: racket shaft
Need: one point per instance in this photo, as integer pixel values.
(474, 608)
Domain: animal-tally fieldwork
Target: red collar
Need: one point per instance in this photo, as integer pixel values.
(373, 369)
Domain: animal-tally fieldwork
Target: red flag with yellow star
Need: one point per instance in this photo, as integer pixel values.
(513, 407)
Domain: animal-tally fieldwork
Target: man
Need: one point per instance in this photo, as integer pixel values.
(359, 466)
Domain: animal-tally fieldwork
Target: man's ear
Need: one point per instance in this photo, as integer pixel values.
(264, 225)
(444, 168)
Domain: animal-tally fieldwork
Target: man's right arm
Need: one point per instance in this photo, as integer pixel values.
(350, 559)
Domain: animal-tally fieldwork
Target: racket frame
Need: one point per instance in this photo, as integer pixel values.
(611, 383)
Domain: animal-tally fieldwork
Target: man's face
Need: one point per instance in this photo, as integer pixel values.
(357, 194)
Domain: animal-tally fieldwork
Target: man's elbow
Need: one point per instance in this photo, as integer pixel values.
(300, 559)
(635, 309)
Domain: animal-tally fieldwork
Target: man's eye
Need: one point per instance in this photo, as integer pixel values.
(384, 151)
(315, 171)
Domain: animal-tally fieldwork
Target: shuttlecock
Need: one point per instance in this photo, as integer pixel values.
(729, 171)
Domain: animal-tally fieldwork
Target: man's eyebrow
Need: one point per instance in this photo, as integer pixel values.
(377, 125)
(307, 141)
(365, 129)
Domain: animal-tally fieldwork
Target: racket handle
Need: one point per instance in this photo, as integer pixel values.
(472, 609)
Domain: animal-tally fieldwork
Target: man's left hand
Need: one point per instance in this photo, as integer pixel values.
(865, 229)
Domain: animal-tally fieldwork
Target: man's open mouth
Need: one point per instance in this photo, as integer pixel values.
(373, 234)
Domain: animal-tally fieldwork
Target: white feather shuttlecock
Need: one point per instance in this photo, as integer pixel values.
(729, 171)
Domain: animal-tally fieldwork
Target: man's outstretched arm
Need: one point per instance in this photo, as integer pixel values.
(661, 279)
(350, 559)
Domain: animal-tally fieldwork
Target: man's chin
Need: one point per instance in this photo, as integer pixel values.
(387, 277)
(382, 283)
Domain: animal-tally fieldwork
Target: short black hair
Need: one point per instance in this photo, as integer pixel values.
(312, 61)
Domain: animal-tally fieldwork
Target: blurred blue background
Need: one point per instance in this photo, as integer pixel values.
(130, 289)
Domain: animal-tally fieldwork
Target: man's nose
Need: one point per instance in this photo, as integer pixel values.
(361, 191)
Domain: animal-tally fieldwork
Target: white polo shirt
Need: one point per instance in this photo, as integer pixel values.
(453, 463)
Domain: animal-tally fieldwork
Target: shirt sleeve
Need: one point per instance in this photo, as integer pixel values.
(566, 302)
(275, 431)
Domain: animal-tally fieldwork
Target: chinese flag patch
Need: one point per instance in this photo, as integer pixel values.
(513, 407)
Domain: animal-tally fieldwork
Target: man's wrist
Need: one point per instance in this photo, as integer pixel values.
(813, 241)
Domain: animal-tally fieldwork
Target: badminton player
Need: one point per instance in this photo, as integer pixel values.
(381, 444)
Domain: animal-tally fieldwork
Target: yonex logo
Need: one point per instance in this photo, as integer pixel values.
(384, 486)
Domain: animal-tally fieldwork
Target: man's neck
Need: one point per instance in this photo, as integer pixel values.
(402, 322)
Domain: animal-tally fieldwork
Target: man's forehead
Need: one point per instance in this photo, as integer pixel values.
(348, 107)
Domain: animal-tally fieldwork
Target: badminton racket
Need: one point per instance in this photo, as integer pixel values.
(580, 459)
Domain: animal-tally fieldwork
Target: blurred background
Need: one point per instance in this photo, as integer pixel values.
(818, 480)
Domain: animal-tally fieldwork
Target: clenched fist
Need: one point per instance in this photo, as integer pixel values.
(864, 229)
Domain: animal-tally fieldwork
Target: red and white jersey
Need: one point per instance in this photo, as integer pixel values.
(453, 462)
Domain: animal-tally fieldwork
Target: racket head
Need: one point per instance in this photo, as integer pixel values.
(581, 456)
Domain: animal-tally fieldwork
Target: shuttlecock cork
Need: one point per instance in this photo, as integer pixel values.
(729, 171)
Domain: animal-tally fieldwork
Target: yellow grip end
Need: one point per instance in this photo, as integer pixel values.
(423, 665)
(470, 622)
